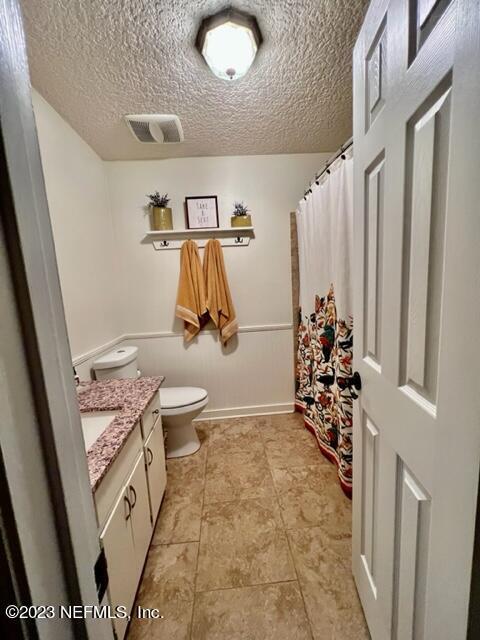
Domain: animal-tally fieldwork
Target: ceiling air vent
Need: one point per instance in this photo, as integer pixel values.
(158, 129)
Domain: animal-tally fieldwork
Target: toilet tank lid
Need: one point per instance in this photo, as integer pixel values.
(175, 397)
(116, 358)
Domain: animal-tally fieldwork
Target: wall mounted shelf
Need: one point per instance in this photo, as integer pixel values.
(229, 237)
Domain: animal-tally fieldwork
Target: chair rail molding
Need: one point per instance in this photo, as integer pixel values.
(81, 358)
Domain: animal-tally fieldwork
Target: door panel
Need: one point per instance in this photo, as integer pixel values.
(417, 232)
(374, 188)
(376, 67)
(423, 17)
(423, 253)
(411, 553)
(369, 506)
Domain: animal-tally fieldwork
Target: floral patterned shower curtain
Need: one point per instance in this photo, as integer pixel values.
(325, 334)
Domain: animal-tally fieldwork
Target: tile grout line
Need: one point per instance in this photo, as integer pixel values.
(207, 443)
(249, 586)
(290, 549)
(171, 544)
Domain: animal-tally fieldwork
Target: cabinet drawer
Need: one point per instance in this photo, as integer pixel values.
(116, 476)
(151, 415)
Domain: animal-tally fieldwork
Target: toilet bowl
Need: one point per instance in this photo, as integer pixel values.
(180, 405)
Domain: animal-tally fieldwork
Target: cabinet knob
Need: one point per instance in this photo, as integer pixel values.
(155, 412)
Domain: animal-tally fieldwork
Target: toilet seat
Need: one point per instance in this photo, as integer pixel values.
(177, 400)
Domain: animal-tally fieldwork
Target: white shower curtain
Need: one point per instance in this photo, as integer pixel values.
(325, 336)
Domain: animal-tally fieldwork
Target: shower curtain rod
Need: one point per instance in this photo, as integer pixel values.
(329, 162)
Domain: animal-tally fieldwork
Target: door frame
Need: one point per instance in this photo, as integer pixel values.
(41, 427)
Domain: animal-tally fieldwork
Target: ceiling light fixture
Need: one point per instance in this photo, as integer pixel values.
(229, 41)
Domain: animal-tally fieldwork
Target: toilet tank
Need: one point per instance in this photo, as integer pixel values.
(119, 363)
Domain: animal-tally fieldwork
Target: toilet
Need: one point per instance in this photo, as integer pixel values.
(179, 405)
(119, 363)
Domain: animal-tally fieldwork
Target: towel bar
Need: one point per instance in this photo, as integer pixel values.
(166, 245)
(173, 239)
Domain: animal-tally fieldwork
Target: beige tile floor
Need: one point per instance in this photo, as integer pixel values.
(252, 542)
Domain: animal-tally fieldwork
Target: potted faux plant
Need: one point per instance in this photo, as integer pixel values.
(161, 213)
(241, 217)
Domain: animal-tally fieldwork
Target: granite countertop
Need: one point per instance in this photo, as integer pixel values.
(130, 398)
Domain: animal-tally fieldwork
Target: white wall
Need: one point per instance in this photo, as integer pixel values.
(118, 289)
(255, 372)
(83, 231)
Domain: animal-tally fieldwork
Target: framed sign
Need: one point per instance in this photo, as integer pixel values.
(202, 212)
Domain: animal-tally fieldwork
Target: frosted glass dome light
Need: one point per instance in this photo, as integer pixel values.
(229, 41)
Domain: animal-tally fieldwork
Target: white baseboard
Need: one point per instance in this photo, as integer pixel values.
(255, 410)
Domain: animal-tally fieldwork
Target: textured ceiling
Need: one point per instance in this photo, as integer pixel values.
(96, 60)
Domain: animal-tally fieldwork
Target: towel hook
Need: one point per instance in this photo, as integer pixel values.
(164, 243)
(238, 240)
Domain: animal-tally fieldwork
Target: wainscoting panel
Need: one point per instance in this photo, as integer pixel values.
(252, 375)
(253, 371)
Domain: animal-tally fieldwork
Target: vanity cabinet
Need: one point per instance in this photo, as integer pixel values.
(128, 501)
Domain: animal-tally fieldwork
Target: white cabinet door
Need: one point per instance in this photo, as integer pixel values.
(117, 540)
(417, 233)
(157, 474)
(137, 492)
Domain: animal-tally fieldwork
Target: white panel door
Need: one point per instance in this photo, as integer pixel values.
(417, 315)
(156, 469)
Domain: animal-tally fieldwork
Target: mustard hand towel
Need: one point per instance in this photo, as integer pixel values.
(219, 300)
(191, 301)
